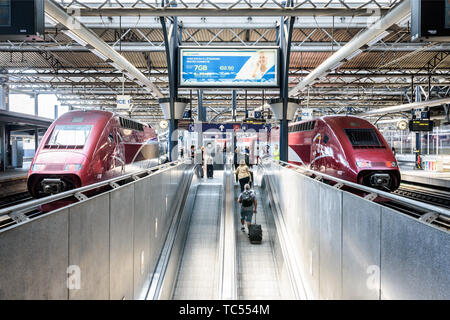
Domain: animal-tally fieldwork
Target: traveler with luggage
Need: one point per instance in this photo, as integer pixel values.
(210, 167)
(243, 174)
(248, 202)
(199, 163)
(192, 153)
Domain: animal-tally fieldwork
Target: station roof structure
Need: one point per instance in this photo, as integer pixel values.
(379, 74)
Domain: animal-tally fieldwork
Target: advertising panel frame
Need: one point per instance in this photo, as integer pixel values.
(241, 85)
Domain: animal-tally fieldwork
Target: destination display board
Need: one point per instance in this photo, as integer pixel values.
(229, 67)
(22, 20)
(421, 125)
(430, 20)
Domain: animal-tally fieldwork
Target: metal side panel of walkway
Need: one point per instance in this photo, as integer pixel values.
(199, 269)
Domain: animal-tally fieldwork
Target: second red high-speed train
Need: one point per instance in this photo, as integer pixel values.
(346, 147)
(85, 147)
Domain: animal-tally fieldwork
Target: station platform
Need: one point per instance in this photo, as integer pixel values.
(438, 179)
(172, 234)
(13, 181)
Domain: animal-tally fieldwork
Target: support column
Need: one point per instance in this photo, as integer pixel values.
(36, 139)
(246, 109)
(233, 105)
(418, 135)
(201, 110)
(285, 44)
(3, 147)
(201, 116)
(4, 97)
(36, 104)
(172, 70)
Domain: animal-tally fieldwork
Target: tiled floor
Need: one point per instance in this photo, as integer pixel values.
(198, 274)
(257, 273)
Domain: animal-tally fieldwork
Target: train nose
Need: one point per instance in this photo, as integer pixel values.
(378, 180)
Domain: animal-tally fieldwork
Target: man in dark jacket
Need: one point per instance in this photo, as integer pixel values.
(248, 202)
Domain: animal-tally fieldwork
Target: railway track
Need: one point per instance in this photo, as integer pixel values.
(424, 194)
(14, 199)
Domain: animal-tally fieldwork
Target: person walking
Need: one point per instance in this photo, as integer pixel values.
(192, 153)
(199, 162)
(210, 167)
(243, 174)
(276, 153)
(248, 202)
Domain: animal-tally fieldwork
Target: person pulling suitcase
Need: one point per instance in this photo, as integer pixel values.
(210, 167)
(249, 205)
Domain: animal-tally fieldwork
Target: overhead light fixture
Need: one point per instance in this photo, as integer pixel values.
(73, 36)
(116, 66)
(337, 65)
(354, 54)
(99, 54)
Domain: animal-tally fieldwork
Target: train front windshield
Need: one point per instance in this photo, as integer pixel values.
(363, 137)
(70, 135)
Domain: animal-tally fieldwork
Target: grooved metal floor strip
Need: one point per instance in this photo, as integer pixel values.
(198, 274)
(257, 271)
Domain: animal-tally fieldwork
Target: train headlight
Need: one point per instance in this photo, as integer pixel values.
(73, 167)
(392, 164)
(37, 167)
(363, 164)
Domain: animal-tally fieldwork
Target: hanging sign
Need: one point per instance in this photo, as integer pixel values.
(123, 101)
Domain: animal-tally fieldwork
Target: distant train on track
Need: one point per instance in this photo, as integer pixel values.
(346, 147)
(85, 147)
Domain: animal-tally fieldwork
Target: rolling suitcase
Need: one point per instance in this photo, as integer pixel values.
(209, 170)
(255, 233)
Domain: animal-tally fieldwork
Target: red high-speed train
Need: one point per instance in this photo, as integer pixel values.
(85, 147)
(346, 147)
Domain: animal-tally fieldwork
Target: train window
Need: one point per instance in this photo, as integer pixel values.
(69, 135)
(130, 124)
(363, 137)
(325, 139)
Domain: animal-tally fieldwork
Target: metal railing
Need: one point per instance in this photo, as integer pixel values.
(349, 247)
(384, 194)
(227, 284)
(19, 209)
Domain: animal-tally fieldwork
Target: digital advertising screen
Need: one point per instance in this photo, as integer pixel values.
(229, 67)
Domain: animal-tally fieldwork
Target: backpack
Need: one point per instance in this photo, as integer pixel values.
(247, 199)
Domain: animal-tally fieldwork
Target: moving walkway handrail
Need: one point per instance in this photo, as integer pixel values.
(227, 288)
(33, 204)
(384, 194)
